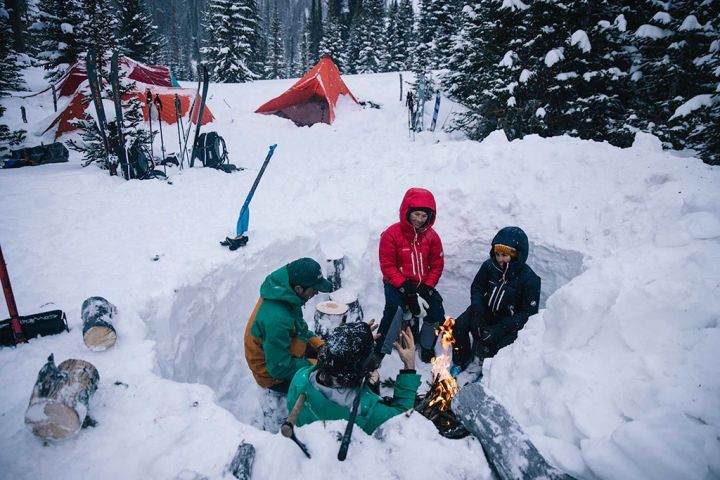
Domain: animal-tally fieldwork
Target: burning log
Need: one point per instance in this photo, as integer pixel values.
(59, 402)
(435, 405)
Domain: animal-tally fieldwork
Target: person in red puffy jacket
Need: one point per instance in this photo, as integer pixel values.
(411, 261)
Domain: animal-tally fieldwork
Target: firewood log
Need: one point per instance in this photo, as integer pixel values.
(328, 316)
(60, 399)
(98, 332)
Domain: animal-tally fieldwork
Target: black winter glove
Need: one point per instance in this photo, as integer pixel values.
(412, 302)
(407, 288)
(425, 292)
(408, 291)
(476, 318)
(493, 333)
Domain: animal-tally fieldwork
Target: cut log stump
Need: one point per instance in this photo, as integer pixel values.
(349, 298)
(328, 316)
(98, 332)
(242, 463)
(59, 401)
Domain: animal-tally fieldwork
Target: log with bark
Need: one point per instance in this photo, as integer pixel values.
(349, 298)
(98, 332)
(60, 399)
(328, 316)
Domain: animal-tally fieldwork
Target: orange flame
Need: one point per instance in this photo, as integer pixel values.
(446, 386)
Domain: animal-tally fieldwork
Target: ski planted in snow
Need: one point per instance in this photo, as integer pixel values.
(117, 100)
(180, 128)
(508, 449)
(95, 86)
(186, 134)
(203, 98)
(436, 110)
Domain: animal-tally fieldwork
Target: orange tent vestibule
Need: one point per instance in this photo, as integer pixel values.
(311, 99)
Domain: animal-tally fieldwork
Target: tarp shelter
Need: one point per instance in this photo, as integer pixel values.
(139, 72)
(75, 110)
(311, 99)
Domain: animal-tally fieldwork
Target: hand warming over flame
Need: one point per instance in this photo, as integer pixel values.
(406, 348)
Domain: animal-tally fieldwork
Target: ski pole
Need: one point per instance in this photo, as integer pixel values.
(190, 116)
(117, 100)
(148, 100)
(158, 105)
(201, 110)
(178, 120)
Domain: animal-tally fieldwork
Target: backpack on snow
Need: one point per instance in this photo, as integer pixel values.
(212, 152)
(141, 166)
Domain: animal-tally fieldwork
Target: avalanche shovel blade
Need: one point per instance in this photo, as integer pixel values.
(244, 218)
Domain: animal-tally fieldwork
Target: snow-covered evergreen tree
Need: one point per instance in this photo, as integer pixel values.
(704, 132)
(98, 27)
(370, 37)
(275, 66)
(230, 42)
(91, 144)
(406, 29)
(437, 25)
(484, 70)
(138, 37)
(394, 58)
(675, 77)
(9, 80)
(332, 42)
(315, 28)
(304, 61)
(57, 34)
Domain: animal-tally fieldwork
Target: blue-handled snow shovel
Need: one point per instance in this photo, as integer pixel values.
(240, 239)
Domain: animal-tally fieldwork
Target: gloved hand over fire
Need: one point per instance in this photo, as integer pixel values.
(408, 291)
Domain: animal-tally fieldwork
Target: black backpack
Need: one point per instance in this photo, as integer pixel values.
(141, 166)
(211, 151)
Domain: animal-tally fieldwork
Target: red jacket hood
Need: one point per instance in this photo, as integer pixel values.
(417, 198)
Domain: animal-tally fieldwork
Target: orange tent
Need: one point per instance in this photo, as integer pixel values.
(76, 109)
(311, 99)
(139, 72)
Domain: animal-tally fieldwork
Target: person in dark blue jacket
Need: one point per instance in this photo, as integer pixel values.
(503, 295)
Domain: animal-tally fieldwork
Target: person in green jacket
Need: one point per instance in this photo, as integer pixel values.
(278, 341)
(331, 386)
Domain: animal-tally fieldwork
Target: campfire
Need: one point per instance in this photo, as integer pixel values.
(435, 404)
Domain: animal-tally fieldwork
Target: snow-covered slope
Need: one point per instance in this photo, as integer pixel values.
(617, 377)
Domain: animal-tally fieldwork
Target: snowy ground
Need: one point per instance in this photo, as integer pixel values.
(617, 377)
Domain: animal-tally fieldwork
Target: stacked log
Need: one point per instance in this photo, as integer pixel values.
(98, 331)
(349, 298)
(328, 316)
(60, 399)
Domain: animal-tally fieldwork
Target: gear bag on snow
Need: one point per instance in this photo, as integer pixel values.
(212, 152)
(141, 166)
(40, 155)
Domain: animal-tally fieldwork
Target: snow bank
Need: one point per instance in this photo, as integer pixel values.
(617, 377)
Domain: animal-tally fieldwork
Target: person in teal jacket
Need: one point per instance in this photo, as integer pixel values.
(278, 341)
(330, 387)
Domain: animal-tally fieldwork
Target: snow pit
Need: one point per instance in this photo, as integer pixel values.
(200, 335)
